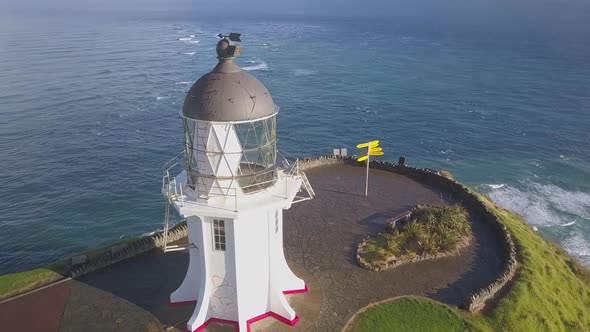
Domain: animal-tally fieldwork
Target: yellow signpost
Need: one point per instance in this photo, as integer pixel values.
(373, 149)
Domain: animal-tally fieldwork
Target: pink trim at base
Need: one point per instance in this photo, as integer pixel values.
(215, 320)
(296, 291)
(248, 322)
(181, 303)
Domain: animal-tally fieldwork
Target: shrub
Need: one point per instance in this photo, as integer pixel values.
(430, 230)
(414, 230)
(447, 240)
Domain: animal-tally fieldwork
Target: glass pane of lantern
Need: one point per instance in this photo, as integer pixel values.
(257, 164)
(189, 128)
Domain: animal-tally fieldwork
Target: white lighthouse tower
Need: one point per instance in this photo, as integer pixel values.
(232, 193)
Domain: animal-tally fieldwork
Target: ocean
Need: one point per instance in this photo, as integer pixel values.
(90, 113)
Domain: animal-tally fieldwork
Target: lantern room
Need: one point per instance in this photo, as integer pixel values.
(230, 131)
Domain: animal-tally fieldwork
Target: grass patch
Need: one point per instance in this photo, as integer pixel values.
(417, 314)
(431, 230)
(20, 282)
(551, 292)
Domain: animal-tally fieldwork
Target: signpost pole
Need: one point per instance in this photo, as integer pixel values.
(372, 149)
(367, 178)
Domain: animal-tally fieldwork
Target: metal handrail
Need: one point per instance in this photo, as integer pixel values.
(176, 191)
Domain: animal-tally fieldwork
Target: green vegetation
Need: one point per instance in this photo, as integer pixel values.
(417, 314)
(551, 292)
(431, 230)
(20, 282)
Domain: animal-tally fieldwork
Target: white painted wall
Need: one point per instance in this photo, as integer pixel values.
(246, 280)
(252, 263)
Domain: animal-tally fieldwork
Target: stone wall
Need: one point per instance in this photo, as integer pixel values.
(119, 252)
(470, 199)
(475, 301)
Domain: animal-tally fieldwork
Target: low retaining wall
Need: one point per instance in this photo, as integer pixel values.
(121, 252)
(474, 302)
(470, 199)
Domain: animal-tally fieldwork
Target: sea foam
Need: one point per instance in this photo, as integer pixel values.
(543, 204)
(577, 246)
(260, 66)
(548, 205)
(303, 72)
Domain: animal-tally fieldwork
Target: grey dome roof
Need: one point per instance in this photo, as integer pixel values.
(228, 93)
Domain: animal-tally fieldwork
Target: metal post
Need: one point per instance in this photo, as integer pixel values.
(181, 196)
(167, 218)
(367, 179)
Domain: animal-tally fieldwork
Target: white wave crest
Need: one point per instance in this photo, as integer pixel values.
(303, 72)
(183, 83)
(578, 247)
(260, 66)
(496, 186)
(576, 202)
(543, 204)
(158, 98)
(185, 38)
(189, 53)
(152, 233)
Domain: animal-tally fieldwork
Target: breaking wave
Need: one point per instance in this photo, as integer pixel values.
(578, 247)
(547, 205)
(496, 186)
(259, 66)
(303, 72)
(543, 204)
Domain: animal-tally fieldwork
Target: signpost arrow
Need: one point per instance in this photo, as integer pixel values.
(373, 149)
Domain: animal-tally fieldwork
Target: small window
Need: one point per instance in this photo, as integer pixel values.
(219, 234)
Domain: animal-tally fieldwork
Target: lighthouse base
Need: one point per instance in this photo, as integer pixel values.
(248, 322)
(240, 275)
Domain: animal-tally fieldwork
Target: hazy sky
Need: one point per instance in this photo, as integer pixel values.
(412, 8)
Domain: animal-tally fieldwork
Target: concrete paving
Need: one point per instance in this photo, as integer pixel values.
(320, 242)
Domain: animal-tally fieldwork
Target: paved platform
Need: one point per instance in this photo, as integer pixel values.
(320, 242)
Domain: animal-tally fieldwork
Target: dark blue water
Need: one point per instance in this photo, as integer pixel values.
(89, 114)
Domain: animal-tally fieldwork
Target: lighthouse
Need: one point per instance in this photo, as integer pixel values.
(232, 191)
